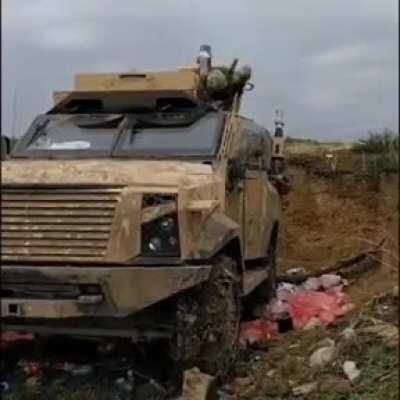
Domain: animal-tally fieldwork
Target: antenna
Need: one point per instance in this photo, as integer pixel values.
(279, 124)
(204, 59)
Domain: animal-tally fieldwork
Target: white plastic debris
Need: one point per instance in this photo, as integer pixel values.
(312, 284)
(348, 333)
(81, 370)
(197, 385)
(284, 290)
(296, 271)
(124, 384)
(277, 309)
(304, 389)
(351, 371)
(330, 280)
(4, 386)
(324, 355)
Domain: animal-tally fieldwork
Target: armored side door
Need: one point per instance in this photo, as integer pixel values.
(261, 208)
(261, 199)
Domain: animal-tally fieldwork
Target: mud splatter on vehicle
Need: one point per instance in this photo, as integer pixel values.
(136, 193)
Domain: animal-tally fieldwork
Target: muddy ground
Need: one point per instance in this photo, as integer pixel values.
(326, 219)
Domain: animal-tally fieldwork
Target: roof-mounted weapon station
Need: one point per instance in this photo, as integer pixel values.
(202, 84)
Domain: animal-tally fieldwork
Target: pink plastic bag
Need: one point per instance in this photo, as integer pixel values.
(326, 306)
(256, 331)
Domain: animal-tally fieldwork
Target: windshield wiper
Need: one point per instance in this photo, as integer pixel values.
(133, 130)
(39, 129)
(96, 121)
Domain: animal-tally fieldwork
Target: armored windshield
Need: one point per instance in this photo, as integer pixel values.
(178, 134)
(147, 134)
(60, 134)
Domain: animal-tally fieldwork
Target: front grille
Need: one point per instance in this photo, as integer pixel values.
(56, 223)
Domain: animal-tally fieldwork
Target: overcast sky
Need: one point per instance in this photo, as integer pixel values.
(332, 65)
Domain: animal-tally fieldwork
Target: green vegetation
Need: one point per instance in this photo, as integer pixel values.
(370, 156)
(385, 142)
(315, 147)
(380, 151)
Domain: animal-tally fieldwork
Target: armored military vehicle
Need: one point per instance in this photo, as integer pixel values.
(141, 205)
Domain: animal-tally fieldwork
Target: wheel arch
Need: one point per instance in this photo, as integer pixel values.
(233, 249)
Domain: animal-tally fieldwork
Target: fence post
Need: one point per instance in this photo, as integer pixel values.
(364, 163)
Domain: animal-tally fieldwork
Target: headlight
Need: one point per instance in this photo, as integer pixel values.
(167, 224)
(161, 237)
(155, 244)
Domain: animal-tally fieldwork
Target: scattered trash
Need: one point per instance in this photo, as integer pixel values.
(312, 284)
(277, 309)
(256, 331)
(318, 301)
(348, 333)
(81, 370)
(326, 306)
(324, 355)
(271, 373)
(304, 389)
(124, 384)
(30, 368)
(330, 280)
(296, 271)
(197, 385)
(64, 366)
(4, 386)
(351, 371)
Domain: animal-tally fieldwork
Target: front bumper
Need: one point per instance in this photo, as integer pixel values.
(123, 290)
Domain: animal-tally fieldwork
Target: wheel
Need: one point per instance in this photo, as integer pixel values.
(207, 322)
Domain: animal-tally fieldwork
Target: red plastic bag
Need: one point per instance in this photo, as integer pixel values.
(256, 331)
(307, 305)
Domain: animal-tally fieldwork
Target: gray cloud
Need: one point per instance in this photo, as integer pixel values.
(332, 65)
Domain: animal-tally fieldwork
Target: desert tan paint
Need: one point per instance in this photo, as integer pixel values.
(209, 215)
(189, 181)
(182, 80)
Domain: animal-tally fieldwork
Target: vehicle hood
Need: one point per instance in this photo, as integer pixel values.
(142, 173)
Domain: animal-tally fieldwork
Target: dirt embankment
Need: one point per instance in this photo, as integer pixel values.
(329, 219)
(326, 220)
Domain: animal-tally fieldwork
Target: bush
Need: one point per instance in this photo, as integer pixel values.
(378, 143)
(380, 151)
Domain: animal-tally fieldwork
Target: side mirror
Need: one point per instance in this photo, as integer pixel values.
(5, 147)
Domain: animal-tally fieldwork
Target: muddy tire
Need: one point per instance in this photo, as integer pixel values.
(207, 322)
